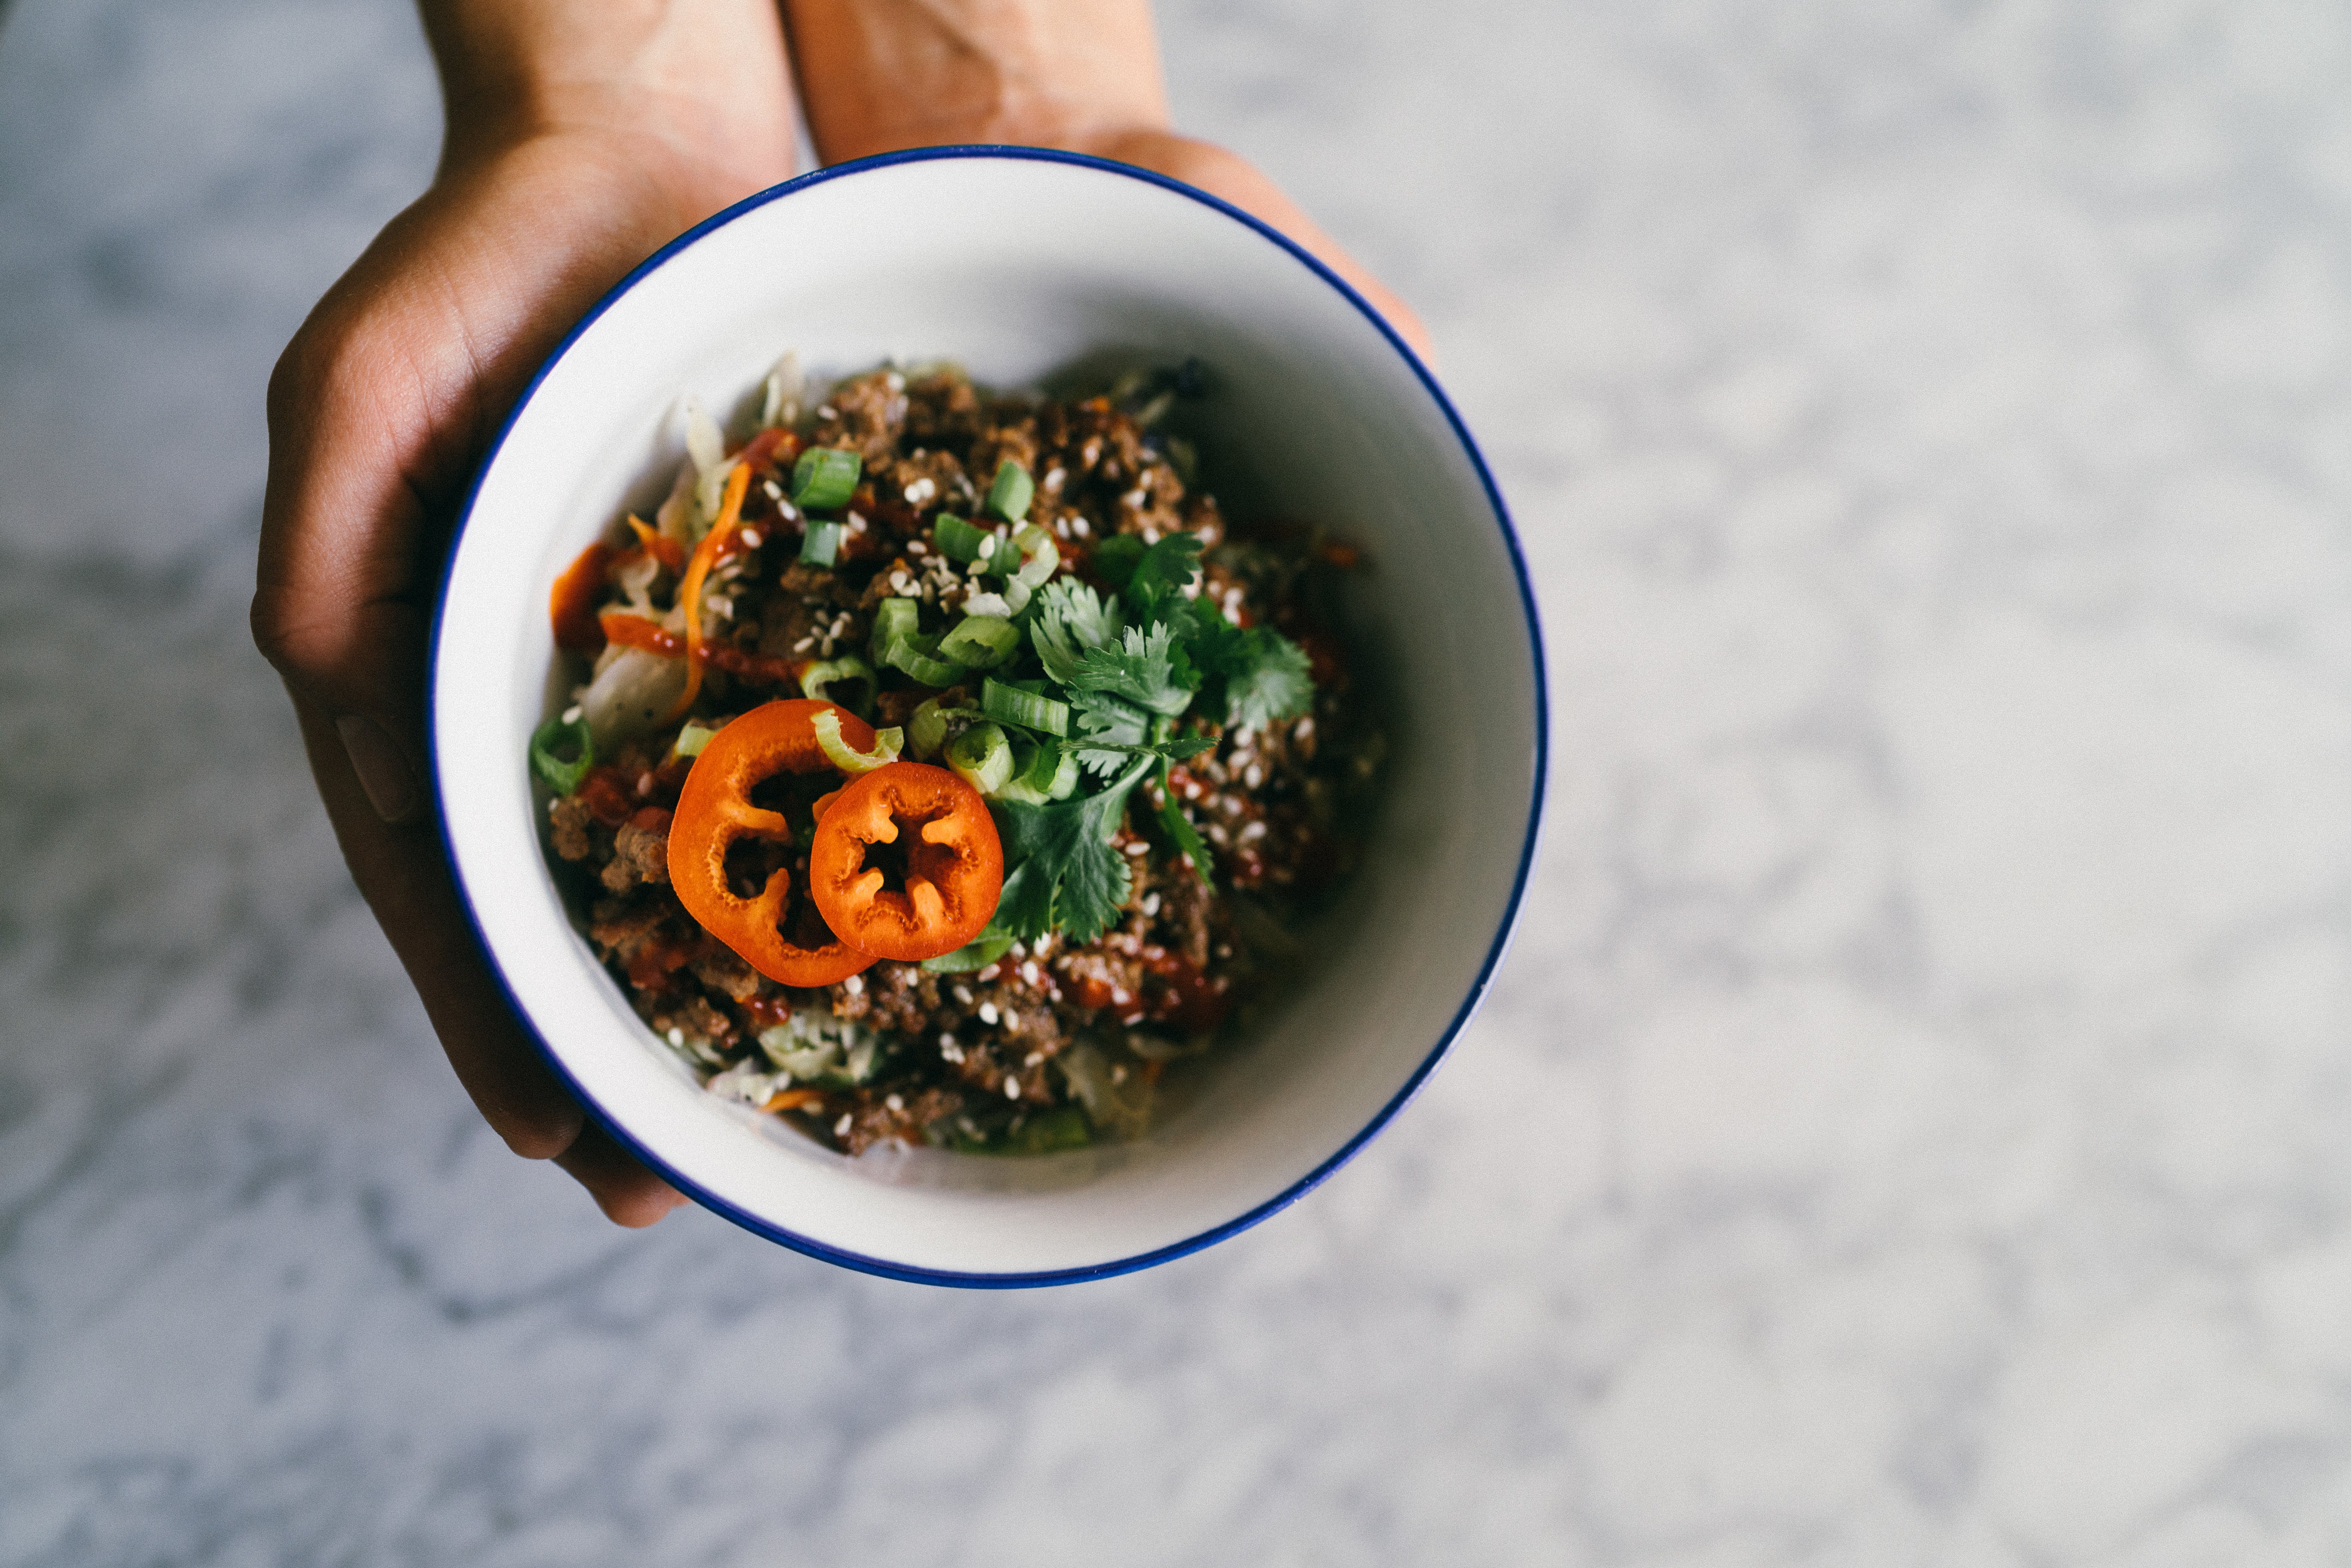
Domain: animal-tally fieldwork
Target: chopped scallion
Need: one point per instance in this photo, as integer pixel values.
(821, 544)
(818, 679)
(561, 754)
(959, 538)
(914, 655)
(824, 477)
(980, 642)
(847, 757)
(1010, 704)
(893, 618)
(1010, 495)
(926, 729)
(982, 758)
(691, 740)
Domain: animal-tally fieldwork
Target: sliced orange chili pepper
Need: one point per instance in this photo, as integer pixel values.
(714, 808)
(954, 862)
(719, 541)
(572, 605)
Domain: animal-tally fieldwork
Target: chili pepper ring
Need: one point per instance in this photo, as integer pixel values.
(714, 809)
(953, 864)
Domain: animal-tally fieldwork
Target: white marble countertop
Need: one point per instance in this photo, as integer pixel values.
(1922, 1076)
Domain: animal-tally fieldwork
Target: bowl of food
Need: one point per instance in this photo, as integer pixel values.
(988, 716)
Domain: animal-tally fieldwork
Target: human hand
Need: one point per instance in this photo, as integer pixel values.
(576, 148)
(876, 76)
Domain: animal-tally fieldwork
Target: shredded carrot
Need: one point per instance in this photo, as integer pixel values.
(793, 1099)
(689, 592)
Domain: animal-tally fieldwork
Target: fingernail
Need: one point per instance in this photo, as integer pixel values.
(382, 771)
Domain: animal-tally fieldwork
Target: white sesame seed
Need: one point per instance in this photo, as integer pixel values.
(987, 1012)
(784, 509)
(1134, 498)
(945, 1041)
(1011, 1019)
(751, 538)
(1118, 1073)
(920, 491)
(644, 783)
(775, 491)
(803, 646)
(854, 985)
(895, 1103)
(677, 1037)
(963, 995)
(1138, 848)
(1150, 536)
(1029, 973)
(900, 583)
(1253, 832)
(951, 1052)
(1131, 1020)
(916, 547)
(840, 1128)
(825, 410)
(1079, 527)
(1254, 776)
(1012, 1089)
(1305, 728)
(1032, 1059)
(987, 547)
(571, 714)
(988, 973)
(1055, 477)
(1151, 904)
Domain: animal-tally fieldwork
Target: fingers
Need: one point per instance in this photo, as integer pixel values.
(400, 871)
(625, 1190)
(1232, 178)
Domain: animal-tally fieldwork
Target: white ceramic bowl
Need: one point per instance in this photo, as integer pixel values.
(1018, 263)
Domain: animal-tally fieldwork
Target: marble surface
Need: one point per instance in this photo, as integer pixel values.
(1910, 1129)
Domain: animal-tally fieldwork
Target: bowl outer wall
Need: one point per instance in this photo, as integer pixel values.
(1332, 418)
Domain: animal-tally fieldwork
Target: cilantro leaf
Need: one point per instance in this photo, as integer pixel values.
(1267, 677)
(1105, 721)
(1147, 668)
(1065, 873)
(1162, 575)
(1071, 619)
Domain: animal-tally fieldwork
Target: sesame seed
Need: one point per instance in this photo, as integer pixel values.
(571, 714)
(854, 985)
(900, 583)
(803, 646)
(1079, 527)
(840, 1128)
(989, 973)
(920, 491)
(987, 1011)
(751, 538)
(1118, 1073)
(825, 410)
(644, 783)
(963, 995)
(1134, 498)
(1029, 973)
(1138, 848)
(1012, 1089)
(1151, 904)
(775, 491)
(1055, 477)
(916, 547)
(946, 1041)
(1253, 832)
(1132, 1019)
(1254, 776)
(1011, 1019)
(677, 1037)
(1032, 1059)
(1150, 536)
(895, 1103)
(784, 509)
(987, 547)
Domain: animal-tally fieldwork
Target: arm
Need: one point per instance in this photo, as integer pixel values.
(575, 148)
(1080, 75)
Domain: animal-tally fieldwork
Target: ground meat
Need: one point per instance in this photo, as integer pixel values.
(639, 851)
(569, 817)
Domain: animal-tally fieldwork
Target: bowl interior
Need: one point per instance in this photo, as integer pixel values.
(1018, 267)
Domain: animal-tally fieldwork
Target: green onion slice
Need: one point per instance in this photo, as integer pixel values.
(691, 740)
(981, 757)
(561, 752)
(978, 954)
(980, 640)
(927, 730)
(821, 544)
(1009, 497)
(1010, 704)
(1041, 557)
(958, 538)
(848, 759)
(913, 654)
(893, 618)
(825, 477)
(818, 678)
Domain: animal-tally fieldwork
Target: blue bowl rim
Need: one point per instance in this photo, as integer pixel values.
(1479, 988)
